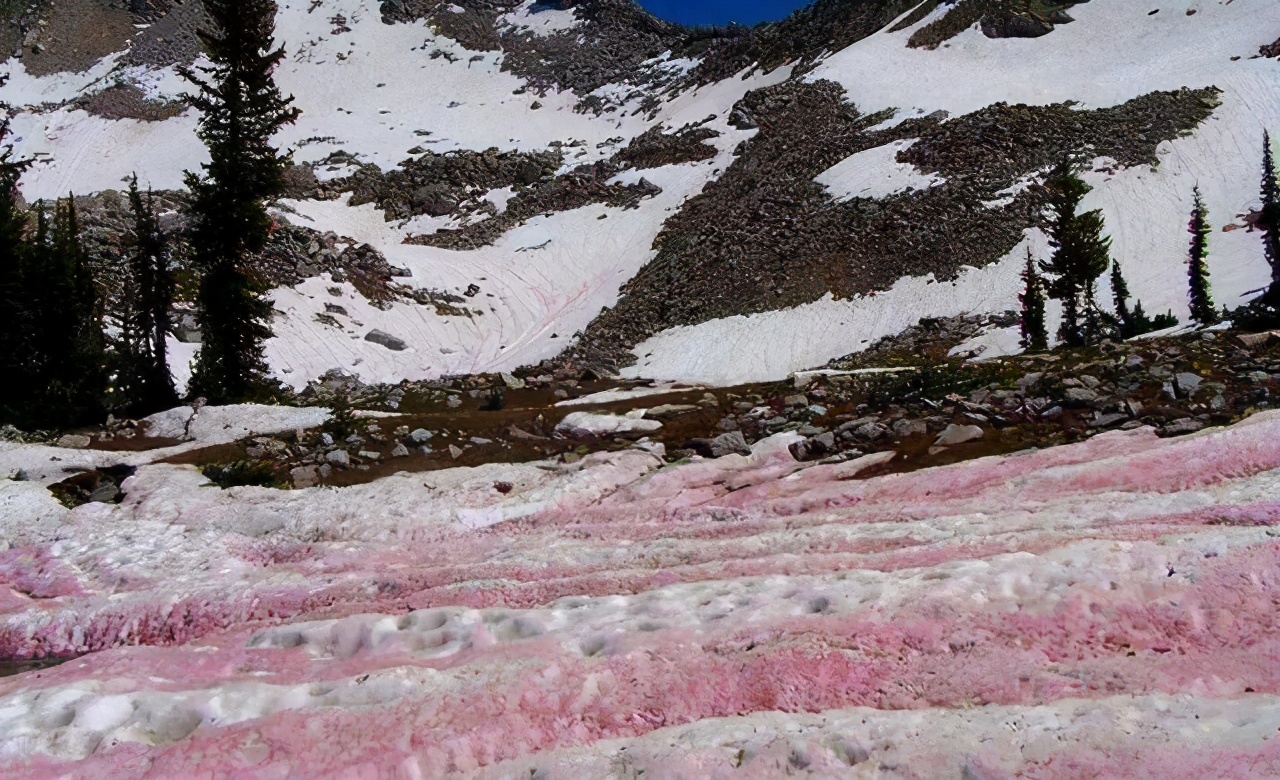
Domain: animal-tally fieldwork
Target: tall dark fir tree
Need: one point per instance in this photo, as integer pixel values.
(15, 346)
(242, 109)
(1125, 318)
(1269, 219)
(143, 381)
(1200, 293)
(1035, 336)
(64, 316)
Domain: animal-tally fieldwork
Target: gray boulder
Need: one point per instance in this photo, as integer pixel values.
(1187, 383)
(729, 443)
(387, 340)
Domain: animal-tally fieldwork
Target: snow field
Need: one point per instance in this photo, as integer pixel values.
(749, 605)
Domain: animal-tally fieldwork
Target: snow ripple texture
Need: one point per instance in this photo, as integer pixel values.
(1106, 609)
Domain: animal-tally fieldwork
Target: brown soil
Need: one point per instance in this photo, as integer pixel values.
(77, 34)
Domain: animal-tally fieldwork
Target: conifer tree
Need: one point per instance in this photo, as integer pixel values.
(1035, 337)
(1120, 295)
(1081, 255)
(67, 356)
(143, 379)
(1269, 219)
(241, 110)
(1201, 295)
(15, 347)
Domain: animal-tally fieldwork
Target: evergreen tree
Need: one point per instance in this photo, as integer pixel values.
(142, 366)
(1035, 336)
(1202, 308)
(1133, 322)
(1120, 294)
(1081, 255)
(241, 110)
(15, 347)
(67, 355)
(1269, 219)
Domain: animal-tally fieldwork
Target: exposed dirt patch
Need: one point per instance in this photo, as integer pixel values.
(126, 101)
(75, 35)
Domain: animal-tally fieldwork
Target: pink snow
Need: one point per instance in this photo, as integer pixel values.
(629, 600)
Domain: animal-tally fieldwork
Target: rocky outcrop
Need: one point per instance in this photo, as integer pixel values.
(766, 236)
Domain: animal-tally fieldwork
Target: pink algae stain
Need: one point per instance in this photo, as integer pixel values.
(1085, 647)
(35, 572)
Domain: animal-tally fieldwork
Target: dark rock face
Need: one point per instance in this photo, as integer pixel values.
(439, 184)
(997, 18)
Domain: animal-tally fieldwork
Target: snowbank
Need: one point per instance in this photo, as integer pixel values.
(740, 612)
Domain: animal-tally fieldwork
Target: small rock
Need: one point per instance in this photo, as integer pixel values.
(1108, 420)
(400, 451)
(958, 434)
(305, 476)
(729, 444)
(512, 381)
(454, 451)
(905, 429)
(73, 441)
(869, 431)
(339, 458)
(370, 455)
(796, 400)
(1080, 395)
(1187, 383)
(825, 441)
(1181, 427)
(1255, 340)
(421, 436)
(667, 411)
(105, 493)
(326, 439)
(387, 340)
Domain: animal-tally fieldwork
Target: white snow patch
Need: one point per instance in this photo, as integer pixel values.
(222, 424)
(540, 20)
(876, 173)
(591, 423)
(773, 345)
(626, 394)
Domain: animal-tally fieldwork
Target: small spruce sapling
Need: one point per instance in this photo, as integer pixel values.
(1035, 336)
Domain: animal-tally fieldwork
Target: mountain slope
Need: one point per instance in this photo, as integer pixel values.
(813, 223)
